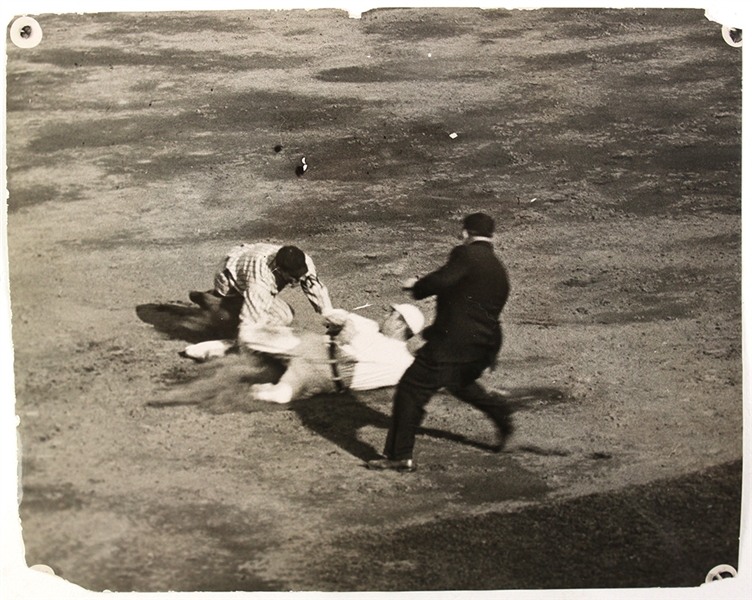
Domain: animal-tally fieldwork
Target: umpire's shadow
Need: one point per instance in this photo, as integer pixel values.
(338, 417)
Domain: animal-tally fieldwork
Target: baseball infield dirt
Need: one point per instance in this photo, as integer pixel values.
(607, 145)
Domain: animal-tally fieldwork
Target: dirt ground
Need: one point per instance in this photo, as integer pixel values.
(606, 143)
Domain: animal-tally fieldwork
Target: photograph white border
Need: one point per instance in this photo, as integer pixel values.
(17, 581)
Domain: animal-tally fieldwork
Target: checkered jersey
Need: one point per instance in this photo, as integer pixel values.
(247, 270)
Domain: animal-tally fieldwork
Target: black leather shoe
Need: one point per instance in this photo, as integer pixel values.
(207, 300)
(382, 464)
(504, 429)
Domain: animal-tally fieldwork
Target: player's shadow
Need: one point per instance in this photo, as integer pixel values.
(187, 322)
(338, 417)
(530, 398)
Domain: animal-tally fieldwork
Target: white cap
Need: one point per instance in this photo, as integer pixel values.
(412, 316)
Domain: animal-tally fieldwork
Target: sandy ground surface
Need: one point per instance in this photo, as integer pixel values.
(607, 144)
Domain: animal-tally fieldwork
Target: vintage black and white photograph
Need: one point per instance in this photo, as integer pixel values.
(413, 299)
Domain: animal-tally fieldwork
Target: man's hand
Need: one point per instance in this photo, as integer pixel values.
(334, 320)
(409, 284)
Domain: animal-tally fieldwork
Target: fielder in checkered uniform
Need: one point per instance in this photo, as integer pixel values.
(257, 273)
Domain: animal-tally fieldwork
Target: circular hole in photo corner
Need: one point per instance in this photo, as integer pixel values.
(732, 36)
(42, 569)
(719, 572)
(25, 32)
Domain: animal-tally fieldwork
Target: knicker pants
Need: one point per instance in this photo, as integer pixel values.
(278, 313)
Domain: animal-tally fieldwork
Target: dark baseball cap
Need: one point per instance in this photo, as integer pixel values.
(479, 224)
(292, 261)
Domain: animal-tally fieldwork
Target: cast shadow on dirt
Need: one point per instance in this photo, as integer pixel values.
(338, 417)
(535, 398)
(222, 386)
(186, 322)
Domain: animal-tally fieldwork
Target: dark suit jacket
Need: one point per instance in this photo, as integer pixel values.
(471, 290)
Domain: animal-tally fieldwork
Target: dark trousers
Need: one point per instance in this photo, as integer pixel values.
(419, 383)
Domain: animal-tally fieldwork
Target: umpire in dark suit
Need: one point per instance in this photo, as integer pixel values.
(465, 338)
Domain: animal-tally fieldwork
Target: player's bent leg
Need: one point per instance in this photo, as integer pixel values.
(494, 405)
(204, 351)
(280, 313)
(280, 393)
